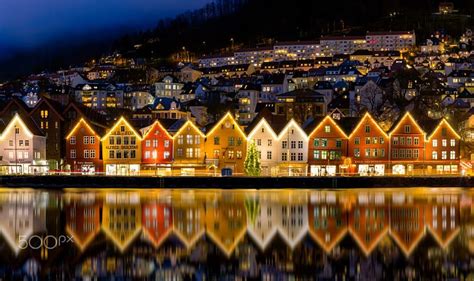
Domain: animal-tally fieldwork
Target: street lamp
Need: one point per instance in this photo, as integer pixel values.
(16, 156)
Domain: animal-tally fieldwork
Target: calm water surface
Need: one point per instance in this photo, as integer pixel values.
(355, 234)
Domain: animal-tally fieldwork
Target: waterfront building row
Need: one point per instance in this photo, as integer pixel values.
(321, 147)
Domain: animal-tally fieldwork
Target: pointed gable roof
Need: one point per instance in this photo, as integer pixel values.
(228, 115)
(119, 121)
(55, 106)
(369, 118)
(401, 119)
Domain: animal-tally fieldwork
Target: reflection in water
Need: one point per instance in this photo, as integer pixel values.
(180, 234)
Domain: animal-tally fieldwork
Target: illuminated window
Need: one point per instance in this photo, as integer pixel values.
(452, 142)
(444, 142)
(327, 129)
(444, 155)
(239, 154)
(167, 143)
(230, 154)
(357, 141)
(324, 155)
(166, 155)
(73, 153)
(147, 143)
(86, 139)
(356, 153)
(180, 139)
(452, 155)
(147, 154)
(435, 143)
(72, 140)
(434, 155)
(189, 153)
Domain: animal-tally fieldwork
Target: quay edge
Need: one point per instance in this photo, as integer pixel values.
(60, 182)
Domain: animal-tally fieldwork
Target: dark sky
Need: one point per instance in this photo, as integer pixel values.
(28, 23)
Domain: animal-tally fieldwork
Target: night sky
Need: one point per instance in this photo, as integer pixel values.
(29, 23)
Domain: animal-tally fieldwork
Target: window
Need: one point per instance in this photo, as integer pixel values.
(324, 142)
(44, 114)
(284, 144)
(216, 140)
(231, 141)
(118, 140)
(408, 140)
(10, 142)
(92, 140)
(27, 142)
(357, 141)
(86, 153)
(284, 156)
(111, 140)
(338, 143)
(167, 143)
(416, 140)
(230, 154)
(111, 154)
(133, 154)
(367, 140)
(72, 140)
(367, 152)
(147, 154)
(293, 144)
(259, 142)
(407, 129)
(324, 154)
(197, 152)
(444, 142)
(316, 142)
(86, 140)
(452, 142)
(300, 144)
(73, 153)
(179, 152)
(155, 143)
(434, 155)
(300, 156)
(166, 155)
(189, 139)
(316, 154)
(180, 139)
(269, 155)
(154, 154)
(122, 128)
(197, 139)
(238, 154)
(381, 140)
(189, 153)
(444, 155)
(395, 141)
(293, 156)
(452, 155)
(435, 143)
(147, 144)
(402, 140)
(327, 129)
(269, 143)
(367, 128)
(356, 153)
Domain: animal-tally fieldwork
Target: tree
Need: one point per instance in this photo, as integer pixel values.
(252, 161)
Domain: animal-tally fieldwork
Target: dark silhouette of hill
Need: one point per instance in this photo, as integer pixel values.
(251, 22)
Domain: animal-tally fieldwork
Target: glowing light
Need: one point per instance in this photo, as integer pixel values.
(440, 125)
(189, 123)
(267, 127)
(122, 119)
(367, 115)
(407, 115)
(11, 126)
(236, 125)
(156, 123)
(330, 120)
(293, 123)
(82, 121)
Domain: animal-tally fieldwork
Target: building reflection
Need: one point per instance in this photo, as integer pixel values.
(249, 233)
